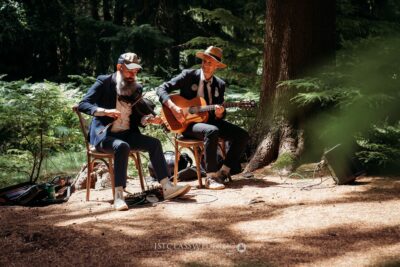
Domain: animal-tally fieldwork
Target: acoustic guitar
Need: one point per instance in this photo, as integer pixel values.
(194, 110)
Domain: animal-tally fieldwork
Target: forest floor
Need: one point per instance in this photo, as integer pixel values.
(261, 221)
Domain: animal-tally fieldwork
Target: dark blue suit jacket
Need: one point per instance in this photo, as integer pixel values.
(188, 82)
(103, 94)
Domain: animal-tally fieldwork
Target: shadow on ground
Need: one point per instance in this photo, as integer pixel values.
(106, 238)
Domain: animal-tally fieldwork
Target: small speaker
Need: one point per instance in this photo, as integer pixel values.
(344, 167)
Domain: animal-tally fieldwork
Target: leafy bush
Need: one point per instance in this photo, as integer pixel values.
(380, 149)
(358, 99)
(35, 122)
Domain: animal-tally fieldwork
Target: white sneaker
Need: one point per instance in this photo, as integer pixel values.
(213, 184)
(223, 176)
(247, 175)
(172, 191)
(119, 201)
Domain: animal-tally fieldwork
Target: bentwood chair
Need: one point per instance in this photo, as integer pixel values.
(93, 155)
(196, 146)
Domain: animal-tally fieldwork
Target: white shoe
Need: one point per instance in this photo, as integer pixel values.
(222, 177)
(213, 184)
(119, 201)
(247, 175)
(172, 191)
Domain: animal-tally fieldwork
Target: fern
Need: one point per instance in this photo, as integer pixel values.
(221, 16)
(380, 148)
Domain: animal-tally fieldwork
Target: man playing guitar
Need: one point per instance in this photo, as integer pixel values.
(202, 82)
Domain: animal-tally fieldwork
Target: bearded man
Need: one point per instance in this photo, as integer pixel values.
(113, 101)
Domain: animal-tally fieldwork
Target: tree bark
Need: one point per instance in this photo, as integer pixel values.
(103, 53)
(119, 12)
(94, 9)
(299, 35)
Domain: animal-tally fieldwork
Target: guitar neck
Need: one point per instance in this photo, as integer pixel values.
(225, 105)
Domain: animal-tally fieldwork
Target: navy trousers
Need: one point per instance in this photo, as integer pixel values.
(210, 132)
(120, 144)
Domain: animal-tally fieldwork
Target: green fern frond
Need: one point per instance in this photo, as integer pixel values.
(307, 84)
(220, 16)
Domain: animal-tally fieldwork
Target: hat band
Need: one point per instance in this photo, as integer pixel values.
(214, 56)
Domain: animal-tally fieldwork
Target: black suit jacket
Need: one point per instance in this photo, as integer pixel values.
(188, 83)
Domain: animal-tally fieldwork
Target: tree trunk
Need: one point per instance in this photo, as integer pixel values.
(103, 53)
(35, 159)
(298, 36)
(94, 9)
(119, 12)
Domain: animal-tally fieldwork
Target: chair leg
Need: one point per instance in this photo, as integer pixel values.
(221, 145)
(197, 159)
(89, 177)
(177, 154)
(138, 162)
(112, 177)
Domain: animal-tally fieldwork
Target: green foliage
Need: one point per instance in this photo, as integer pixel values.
(241, 117)
(81, 82)
(73, 41)
(283, 161)
(64, 162)
(220, 16)
(380, 148)
(149, 81)
(239, 32)
(63, 38)
(357, 20)
(143, 39)
(35, 122)
(14, 167)
(359, 99)
(13, 20)
(320, 91)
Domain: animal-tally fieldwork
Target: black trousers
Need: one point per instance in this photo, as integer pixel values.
(210, 132)
(122, 143)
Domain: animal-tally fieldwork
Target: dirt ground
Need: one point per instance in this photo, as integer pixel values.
(262, 221)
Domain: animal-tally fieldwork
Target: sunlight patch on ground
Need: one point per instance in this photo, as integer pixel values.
(301, 219)
(184, 210)
(181, 213)
(187, 258)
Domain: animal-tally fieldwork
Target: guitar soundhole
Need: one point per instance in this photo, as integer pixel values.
(192, 110)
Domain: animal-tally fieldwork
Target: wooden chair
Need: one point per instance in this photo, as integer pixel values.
(93, 155)
(196, 146)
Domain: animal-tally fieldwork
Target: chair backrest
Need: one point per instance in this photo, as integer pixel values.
(83, 126)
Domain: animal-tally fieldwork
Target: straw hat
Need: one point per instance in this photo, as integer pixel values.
(214, 53)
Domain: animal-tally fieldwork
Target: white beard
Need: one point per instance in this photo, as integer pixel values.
(123, 87)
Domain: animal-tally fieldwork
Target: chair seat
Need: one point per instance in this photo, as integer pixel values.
(189, 141)
(98, 154)
(94, 152)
